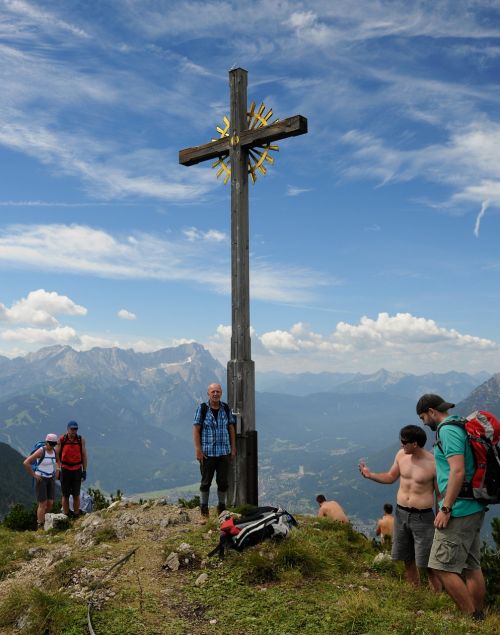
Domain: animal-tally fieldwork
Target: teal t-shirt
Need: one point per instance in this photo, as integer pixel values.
(454, 441)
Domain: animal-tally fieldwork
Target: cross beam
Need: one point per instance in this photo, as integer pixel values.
(240, 369)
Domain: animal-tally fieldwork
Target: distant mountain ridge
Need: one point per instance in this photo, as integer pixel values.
(453, 384)
(124, 401)
(136, 412)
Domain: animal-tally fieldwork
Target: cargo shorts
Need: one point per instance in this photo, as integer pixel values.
(458, 545)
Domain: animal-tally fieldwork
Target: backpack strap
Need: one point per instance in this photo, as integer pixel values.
(466, 489)
(458, 422)
(204, 410)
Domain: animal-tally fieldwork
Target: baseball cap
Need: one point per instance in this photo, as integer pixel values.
(51, 438)
(73, 424)
(435, 402)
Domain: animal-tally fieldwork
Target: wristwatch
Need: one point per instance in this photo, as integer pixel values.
(446, 510)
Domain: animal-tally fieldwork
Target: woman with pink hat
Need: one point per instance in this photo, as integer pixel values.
(42, 466)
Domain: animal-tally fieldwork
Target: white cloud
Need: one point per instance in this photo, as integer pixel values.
(213, 235)
(396, 342)
(85, 250)
(41, 337)
(123, 314)
(40, 308)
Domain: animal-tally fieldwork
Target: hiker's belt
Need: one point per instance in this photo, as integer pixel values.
(415, 510)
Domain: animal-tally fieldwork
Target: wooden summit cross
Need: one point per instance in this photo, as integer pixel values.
(242, 149)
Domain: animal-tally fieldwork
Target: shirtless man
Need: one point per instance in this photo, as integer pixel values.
(385, 525)
(330, 509)
(414, 520)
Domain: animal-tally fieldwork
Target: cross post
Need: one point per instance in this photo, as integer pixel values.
(240, 369)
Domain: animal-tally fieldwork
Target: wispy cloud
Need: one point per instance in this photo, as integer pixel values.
(484, 207)
(84, 250)
(296, 191)
(214, 235)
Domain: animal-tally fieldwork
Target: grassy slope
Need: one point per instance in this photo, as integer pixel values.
(319, 581)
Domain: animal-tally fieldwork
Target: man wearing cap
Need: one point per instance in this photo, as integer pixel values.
(456, 547)
(72, 455)
(42, 466)
(414, 520)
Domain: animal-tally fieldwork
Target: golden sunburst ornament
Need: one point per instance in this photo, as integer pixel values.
(258, 156)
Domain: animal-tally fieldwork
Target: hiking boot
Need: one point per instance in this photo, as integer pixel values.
(221, 507)
(478, 616)
(40, 526)
(204, 514)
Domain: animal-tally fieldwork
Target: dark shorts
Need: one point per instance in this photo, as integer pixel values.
(413, 535)
(45, 489)
(71, 481)
(458, 545)
(218, 465)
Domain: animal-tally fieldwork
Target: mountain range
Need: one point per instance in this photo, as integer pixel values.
(136, 409)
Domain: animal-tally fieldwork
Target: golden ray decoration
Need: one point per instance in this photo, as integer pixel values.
(258, 155)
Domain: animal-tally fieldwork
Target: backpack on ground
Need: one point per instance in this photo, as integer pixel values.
(483, 434)
(246, 531)
(204, 410)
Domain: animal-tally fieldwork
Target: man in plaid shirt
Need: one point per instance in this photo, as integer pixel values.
(214, 438)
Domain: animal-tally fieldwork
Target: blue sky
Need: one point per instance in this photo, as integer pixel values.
(374, 238)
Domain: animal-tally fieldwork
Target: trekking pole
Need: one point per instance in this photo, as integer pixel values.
(99, 584)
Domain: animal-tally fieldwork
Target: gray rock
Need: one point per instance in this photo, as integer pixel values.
(201, 579)
(172, 562)
(56, 521)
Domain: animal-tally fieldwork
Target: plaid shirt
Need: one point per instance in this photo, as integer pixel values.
(215, 432)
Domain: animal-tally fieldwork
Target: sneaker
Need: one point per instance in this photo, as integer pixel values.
(40, 526)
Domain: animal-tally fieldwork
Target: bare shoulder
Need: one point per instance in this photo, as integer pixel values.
(429, 456)
(400, 454)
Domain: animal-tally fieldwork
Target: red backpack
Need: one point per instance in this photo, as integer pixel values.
(483, 433)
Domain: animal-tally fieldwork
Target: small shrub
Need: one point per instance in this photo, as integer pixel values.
(495, 531)
(117, 497)
(21, 518)
(99, 500)
(189, 504)
(490, 564)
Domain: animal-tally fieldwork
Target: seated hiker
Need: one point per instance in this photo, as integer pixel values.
(385, 525)
(331, 510)
(41, 465)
